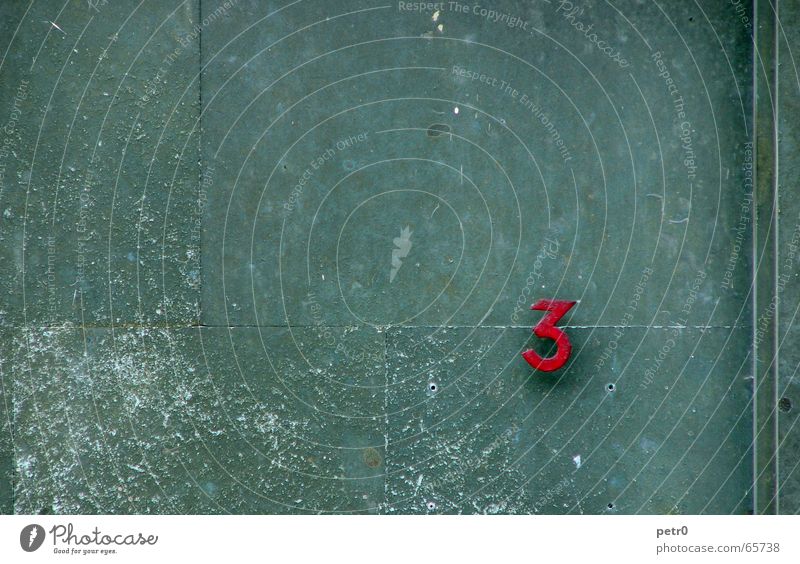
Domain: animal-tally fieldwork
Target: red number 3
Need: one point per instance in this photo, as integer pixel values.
(546, 328)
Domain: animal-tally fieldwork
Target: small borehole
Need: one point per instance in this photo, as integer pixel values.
(785, 404)
(433, 387)
(431, 506)
(610, 506)
(611, 387)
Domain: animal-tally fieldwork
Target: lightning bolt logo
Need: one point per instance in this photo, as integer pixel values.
(403, 244)
(31, 537)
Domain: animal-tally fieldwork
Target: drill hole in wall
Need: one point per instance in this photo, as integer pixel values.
(785, 404)
(433, 387)
(611, 387)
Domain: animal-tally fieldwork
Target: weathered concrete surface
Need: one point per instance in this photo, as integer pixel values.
(7, 459)
(218, 420)
(100, 198)
(98, 202)
(493, 439)
(297, 227)
(788, 390)
(196, 421)
(614, 202)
